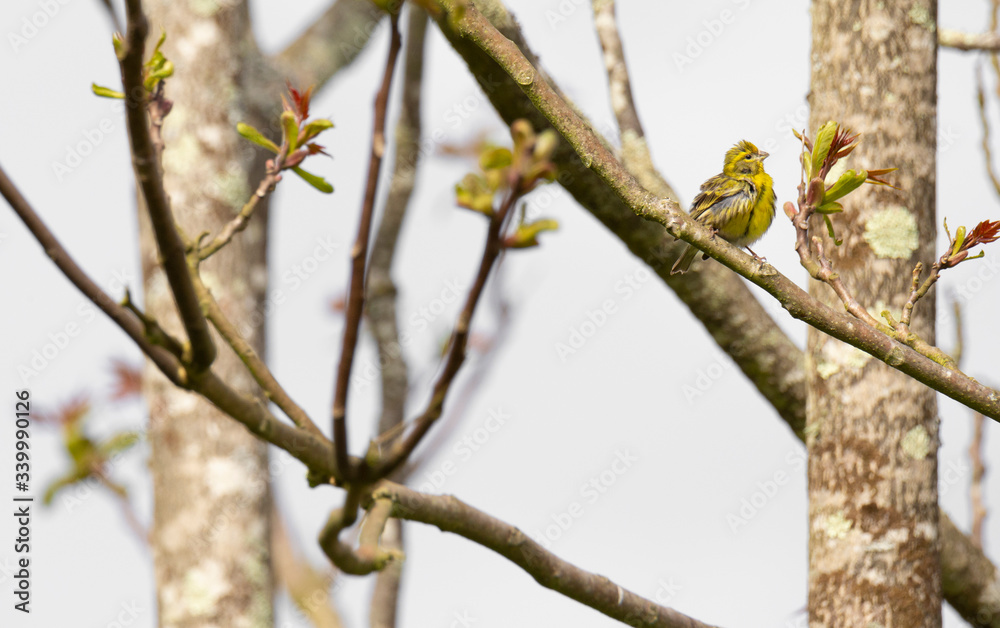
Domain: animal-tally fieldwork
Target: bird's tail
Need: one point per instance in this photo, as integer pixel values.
(683, 263)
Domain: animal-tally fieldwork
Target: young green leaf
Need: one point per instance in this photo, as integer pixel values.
(527, 234)
(256, 137)
(847, 183)
(316, 181)
(312, 129)
(105, 92)
(824, 139)
(290, 129)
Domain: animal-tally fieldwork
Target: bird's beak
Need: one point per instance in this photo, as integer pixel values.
(763, 155)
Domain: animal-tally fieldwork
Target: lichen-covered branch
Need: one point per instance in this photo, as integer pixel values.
(718, 298)
(969, 581)
(476, 29)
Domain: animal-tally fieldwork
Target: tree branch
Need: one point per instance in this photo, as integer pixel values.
(456, 347)
(368, 557)
(308, 587)
(255, 365)
(635, 151)
(312, 451)
(126, 320)
(242, 219)
(948, 38)
(359, 253)
(969, 580)
(477, 29)
(330, 44)
(381, 304)
(149, 178)
(451, 515)
(718, 298)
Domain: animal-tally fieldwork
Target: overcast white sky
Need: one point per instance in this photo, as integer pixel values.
(670, 466)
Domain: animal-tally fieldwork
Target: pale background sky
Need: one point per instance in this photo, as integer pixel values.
(660, 529)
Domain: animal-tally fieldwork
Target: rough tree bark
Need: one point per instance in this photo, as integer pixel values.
(872, 433)
(211, 505)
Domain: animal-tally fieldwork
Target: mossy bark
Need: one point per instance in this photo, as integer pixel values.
(872, 432)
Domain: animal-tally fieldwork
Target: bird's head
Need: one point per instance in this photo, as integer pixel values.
(744, 160)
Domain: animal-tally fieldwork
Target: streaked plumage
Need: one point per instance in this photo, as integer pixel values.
(738, 203)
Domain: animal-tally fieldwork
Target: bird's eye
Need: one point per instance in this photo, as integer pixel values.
(749, 156)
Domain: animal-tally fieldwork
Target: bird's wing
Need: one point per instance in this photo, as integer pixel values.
(720, 194)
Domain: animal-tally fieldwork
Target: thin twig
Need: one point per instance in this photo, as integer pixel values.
(131, 519)
(400, 451)
(472, 383)
(359, 253)
(976, 485)
(976, 504)
(149, 177)
(451, 515)
(255, 365)
(985, 123)
(242, 219)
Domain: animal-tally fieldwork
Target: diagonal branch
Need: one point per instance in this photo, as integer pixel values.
(359, 253)
(720, 299)
(401, 451)
(315, 453)
(272, 389)
(330, 44)
(129, 322)
(451, 515)
(242, 219)
(147, 171)
(472, 25)
(635, 150)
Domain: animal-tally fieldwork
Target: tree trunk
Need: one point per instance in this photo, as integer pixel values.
(211, 506)
(872, 433)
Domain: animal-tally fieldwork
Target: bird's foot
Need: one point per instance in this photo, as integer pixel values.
(760, 259)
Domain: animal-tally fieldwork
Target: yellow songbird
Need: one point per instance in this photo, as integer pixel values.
(737, 204)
